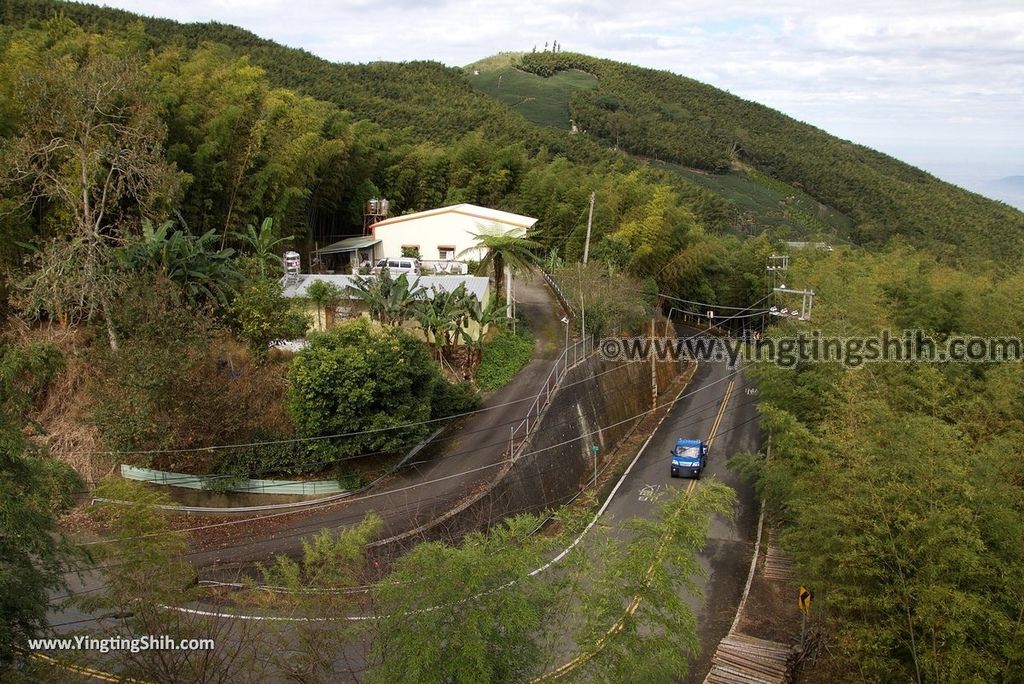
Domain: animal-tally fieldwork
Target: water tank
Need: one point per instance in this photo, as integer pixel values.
(384, 207)
(292, 262)
(372, 206)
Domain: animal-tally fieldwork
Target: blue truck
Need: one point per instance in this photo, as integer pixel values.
(689, 458)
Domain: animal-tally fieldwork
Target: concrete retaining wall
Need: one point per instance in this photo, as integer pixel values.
(600, 403)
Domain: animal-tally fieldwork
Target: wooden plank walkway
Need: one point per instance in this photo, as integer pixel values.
(742, 659)
(777, 565)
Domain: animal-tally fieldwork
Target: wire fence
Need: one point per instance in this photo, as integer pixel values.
(573, 355)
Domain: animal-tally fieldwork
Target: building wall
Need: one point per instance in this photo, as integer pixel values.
(431, 232)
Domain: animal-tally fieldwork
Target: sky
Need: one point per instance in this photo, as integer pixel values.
(938, 84)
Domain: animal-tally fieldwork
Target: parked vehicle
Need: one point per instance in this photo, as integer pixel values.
(398, 265)
(689, 458)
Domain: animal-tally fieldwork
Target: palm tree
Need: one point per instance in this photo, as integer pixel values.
(443, 315)
(503, 249)
(391, 301)
(262, 243)
(482, 314)
(322, 294)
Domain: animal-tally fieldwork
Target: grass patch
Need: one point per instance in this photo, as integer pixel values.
(543, 101)
(769, 202)
(503, 357)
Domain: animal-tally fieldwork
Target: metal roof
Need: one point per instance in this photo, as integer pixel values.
(348, 245)
(482, 213)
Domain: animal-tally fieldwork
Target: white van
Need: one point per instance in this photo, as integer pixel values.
(398, 265)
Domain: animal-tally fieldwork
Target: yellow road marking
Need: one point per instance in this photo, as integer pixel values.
(634, 603)
(79, 669)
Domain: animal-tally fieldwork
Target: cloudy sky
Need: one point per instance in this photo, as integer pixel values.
(939, 84)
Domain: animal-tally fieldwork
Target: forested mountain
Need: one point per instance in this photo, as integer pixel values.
(665, 116)
(151, 173)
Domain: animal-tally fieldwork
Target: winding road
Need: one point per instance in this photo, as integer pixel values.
(718, 404)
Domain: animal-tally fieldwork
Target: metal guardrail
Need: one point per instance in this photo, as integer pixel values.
(570, 357)
(562, 299)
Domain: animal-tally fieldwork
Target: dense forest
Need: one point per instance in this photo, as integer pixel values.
(151, 172)
(664, 116)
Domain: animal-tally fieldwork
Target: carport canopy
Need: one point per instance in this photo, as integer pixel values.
(351, 244)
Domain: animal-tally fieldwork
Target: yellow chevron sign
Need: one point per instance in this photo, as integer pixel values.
(804, 599)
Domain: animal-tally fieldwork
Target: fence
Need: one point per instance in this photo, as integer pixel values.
(570, 357)
(562, 299)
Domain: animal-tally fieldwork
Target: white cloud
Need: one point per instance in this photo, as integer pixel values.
(906, 77)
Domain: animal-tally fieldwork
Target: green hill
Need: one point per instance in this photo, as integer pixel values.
(772, 169)
(667, 117)
(543, 101)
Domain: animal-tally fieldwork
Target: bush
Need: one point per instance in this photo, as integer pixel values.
(262, 315)
(357, 377)
(451, 399)
(503, 357)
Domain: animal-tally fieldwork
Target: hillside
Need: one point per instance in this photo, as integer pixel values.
(543, 101)
(671, 118)
(649, 113)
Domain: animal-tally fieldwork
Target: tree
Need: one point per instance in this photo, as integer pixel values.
(464, 613)
(263, 245)
(262, 315)
(503, 250)
(481, 315)
(203, 273)
(653, 638)
(356, 377)
(323, 295)
(315, 586)
(34, 556)
(90, 149)
(390, 301)
(442, 315)
(144, 570)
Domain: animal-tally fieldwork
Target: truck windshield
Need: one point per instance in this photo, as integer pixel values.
(689, 453)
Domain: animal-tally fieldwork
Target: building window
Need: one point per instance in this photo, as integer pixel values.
(411, 251)
(446, 252)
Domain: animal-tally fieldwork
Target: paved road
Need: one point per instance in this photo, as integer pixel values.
(475, 442)
(723, 398)
(726, 557)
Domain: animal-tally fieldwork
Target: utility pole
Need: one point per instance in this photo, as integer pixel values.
(654, 369)
(590, 221)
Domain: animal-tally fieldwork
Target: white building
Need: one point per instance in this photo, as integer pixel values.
(443, 235)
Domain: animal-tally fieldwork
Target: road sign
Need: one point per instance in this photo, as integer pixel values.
(711, 314)
(595, 448)
(804, 599)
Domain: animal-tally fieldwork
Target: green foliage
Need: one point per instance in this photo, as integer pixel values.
(489, 638)
(389, 300)
(676, 119)
(203, 272)
(357, 377)
(656, 636)
(263, 245)
(323, 294)
(543, 101)
(144, 571)
(262, 315)
(453, 398)
(503, 357)
(615, 303)
(411, 252)
(33, 490)
(503, 250)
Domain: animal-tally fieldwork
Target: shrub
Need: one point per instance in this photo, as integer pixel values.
(503, 357)
(356, 378)
(452, 399)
